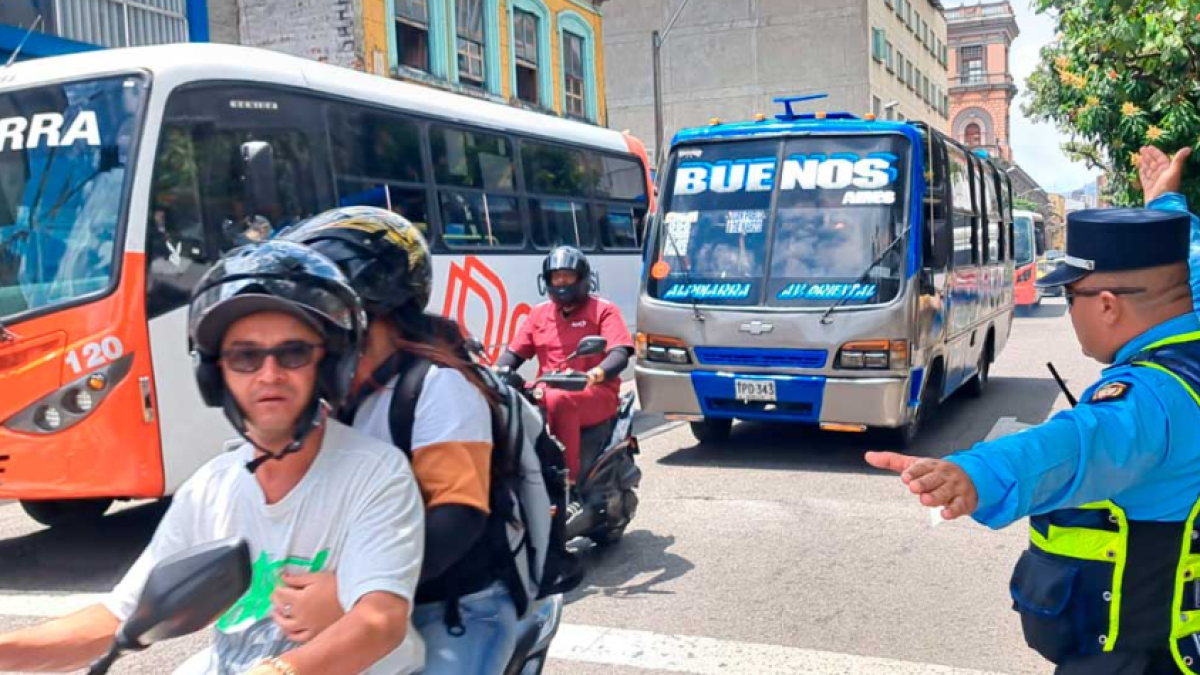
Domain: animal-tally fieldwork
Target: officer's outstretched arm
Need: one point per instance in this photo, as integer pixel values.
(1161, 177)
(1090, 453)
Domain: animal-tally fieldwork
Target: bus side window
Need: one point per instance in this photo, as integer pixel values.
(377, 161)
(177, 251)
(978, 210)
(939, 243)
(620, 224)
(559, 183)
(961, 213)
(476, 178)
(992, 213)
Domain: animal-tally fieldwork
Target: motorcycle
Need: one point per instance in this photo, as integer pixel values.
(605, 500)
(183, 594)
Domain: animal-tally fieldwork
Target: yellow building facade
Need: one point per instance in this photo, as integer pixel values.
(545, 55)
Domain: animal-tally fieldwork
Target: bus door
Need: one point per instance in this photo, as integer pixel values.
(234, 166)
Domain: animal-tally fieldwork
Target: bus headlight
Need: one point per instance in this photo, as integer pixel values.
(873, 355)
(66, 407)
(48, 417)
(662, 349)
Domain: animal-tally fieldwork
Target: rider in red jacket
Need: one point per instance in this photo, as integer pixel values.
(552, 331)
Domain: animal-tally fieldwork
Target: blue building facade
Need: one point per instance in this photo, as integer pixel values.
(70, 26)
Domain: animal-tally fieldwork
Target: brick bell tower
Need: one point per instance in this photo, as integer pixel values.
(981, 86)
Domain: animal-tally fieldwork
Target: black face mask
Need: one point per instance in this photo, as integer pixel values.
(568, 296)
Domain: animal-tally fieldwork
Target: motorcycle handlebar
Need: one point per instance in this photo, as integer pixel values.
(565, 381)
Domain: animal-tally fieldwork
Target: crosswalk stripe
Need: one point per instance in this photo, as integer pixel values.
(43, 605)
(708, 656)
(619, 647)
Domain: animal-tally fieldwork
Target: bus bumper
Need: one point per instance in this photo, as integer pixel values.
(1027, 294)
(873, 401)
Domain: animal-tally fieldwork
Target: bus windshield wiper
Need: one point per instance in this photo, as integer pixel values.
(687, 269)
(862, 277)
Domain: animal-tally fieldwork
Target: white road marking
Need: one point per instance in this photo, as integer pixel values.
(708, 656)
(43, 605)
(618, 647)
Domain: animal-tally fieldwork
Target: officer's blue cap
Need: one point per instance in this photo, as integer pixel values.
(1120, 240)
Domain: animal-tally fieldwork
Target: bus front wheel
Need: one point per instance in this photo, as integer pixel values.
(712, 430)
(66, 512)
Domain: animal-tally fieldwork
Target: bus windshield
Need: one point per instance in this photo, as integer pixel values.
(841, 202)
(1023, 240)
(64, 155)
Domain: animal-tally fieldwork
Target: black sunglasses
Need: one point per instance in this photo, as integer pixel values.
(1092, 292)
(290, 355)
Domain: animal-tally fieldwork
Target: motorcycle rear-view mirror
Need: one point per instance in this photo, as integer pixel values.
(183, 594)
(590, 346)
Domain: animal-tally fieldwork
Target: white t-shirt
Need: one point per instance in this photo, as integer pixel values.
(449, 409)
(357, 513)
(451, 436)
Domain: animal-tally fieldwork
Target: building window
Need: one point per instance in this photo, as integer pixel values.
(525, 51)
(877, 45)
(574, 87)
(412, 34)
(971, 64)
(972, 135)
(888, 57)
(900, 5)
(471, 43)
(876, 106)
(900, 64)
(910, 75)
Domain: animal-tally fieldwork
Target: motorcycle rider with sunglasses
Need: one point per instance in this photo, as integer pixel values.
(276, 333)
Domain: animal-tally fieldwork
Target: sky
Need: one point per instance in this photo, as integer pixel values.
(1036, 147)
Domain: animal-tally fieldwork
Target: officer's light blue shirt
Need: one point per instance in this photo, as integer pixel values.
(1119, 450)
(1122, 449)
(1173, 201)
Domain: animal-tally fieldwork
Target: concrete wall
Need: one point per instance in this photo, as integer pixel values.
(223, 21)
(730, 58)
(315, 29)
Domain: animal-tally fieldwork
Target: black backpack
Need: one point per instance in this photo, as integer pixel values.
(528, 500)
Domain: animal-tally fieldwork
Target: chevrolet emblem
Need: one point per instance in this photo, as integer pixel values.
(756, 328)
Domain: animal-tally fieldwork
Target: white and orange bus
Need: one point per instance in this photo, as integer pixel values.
(124, 174)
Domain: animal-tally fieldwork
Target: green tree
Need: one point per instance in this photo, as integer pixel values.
(1122, 74)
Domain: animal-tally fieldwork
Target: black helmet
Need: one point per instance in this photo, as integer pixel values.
(383, 255)
(572, 259)
(284, 277)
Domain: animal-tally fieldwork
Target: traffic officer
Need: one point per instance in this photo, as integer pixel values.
(1109, 582)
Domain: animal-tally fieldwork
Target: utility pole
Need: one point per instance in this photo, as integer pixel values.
(656, 42)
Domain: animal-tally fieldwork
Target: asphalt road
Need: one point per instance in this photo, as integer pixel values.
(779, 551)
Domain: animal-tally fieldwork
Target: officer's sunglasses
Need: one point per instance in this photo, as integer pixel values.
(1072, 293)
(290, 355)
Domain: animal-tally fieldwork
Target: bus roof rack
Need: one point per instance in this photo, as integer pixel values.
(790, 115)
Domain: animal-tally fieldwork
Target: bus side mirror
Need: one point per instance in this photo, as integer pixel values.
(926, 281)
(258, 177)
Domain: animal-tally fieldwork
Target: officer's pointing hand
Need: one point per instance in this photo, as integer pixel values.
(936, 481)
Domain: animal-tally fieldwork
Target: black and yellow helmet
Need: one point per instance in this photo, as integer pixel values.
(384, 256)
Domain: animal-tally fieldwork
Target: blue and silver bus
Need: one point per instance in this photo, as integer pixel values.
(822, 269)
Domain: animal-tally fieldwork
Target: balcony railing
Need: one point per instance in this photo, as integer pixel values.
(979, 11)
(981, 79)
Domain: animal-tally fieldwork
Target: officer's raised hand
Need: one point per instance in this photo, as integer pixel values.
(1158, 173)
(935, 481)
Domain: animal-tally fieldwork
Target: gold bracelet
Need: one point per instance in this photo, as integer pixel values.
(282, 667)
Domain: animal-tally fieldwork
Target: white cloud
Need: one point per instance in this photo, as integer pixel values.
(1036, 147)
